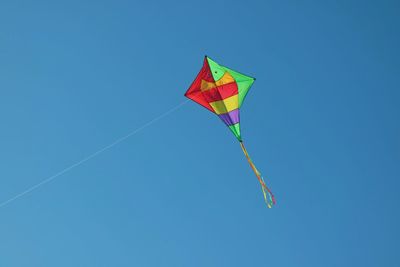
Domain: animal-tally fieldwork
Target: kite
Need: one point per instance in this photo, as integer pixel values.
(222, 91)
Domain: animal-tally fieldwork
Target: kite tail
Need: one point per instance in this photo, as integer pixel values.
(268, 196)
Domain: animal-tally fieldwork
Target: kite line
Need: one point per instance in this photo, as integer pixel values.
(93, 155)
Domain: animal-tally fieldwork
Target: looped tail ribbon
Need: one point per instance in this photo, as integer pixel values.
(268, 196)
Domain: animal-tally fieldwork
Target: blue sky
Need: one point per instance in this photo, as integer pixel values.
(321, 122)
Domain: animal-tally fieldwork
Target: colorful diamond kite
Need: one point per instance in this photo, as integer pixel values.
(222, 91)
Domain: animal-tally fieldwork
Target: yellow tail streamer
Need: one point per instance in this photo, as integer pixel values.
(268, 196)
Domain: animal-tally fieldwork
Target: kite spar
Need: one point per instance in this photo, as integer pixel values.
(222, 91)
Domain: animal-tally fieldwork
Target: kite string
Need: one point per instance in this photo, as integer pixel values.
(91, 156)
(268, 196)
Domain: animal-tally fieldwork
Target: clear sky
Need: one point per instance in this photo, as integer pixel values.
(321, 122)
